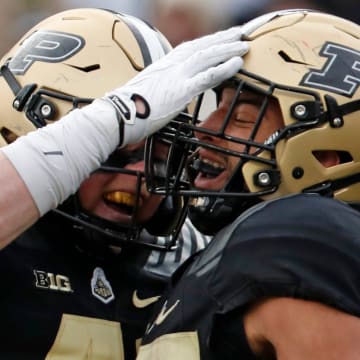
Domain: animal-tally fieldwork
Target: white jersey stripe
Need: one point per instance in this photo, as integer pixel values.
(190, 241)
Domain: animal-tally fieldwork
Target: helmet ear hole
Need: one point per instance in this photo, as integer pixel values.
(329, 158)
(345, 157)
(8, 135)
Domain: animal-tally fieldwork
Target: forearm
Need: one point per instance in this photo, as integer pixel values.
(17, 208)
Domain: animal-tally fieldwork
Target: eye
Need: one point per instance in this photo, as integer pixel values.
(244, 123)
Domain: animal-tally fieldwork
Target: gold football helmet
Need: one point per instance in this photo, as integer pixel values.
(66, 61)
(309, 63)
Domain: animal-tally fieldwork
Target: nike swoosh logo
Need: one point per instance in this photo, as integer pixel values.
(142, 303)
(165, 313)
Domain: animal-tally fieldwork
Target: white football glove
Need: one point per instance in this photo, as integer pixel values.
(168, 85)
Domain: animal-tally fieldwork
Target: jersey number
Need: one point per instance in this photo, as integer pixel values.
(87, 338)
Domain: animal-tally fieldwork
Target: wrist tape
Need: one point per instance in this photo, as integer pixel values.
(54, 160)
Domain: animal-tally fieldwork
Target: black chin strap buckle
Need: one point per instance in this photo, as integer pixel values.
(23, 96)
(36, 108)
(334, 112)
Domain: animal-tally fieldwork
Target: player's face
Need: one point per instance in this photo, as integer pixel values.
(113, 196)
(241, 125)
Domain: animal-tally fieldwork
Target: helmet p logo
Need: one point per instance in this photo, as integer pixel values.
(341, 72)
(45, 46)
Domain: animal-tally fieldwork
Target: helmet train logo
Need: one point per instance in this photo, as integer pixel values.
(334, 76)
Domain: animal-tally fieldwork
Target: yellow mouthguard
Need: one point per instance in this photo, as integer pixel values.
(120, 197)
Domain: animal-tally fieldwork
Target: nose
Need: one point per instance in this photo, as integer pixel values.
(137, 166)
(137, 169)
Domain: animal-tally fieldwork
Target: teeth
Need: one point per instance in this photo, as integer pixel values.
(120, 197)
(212, 163)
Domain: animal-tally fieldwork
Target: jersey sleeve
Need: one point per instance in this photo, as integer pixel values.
(303, 246)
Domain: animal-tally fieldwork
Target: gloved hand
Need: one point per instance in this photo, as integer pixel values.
(168, 85)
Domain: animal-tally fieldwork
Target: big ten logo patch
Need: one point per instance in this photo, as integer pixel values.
(50, 281)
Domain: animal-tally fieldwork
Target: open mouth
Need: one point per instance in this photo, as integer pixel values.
(209, 174)
(121, 201)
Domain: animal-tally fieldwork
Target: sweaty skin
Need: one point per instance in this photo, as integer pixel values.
(298, 329)
(14, 192)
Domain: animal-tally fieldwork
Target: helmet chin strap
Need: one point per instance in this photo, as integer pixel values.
(99, 232)
(96, 235)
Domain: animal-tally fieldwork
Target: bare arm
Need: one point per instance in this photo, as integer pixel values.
(17, 208)
(298, 329)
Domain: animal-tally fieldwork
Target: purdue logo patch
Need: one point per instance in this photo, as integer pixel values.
(100, 287)
(45, 46)
(340, 73)
(50, 281)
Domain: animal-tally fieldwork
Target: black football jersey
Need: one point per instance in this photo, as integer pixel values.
(58, 302)
(302, 246)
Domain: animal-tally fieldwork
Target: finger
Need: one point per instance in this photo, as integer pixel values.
(202, 60)
(215, 75)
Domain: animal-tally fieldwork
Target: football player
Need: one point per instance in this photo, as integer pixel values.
(274, 172)
(80, 282)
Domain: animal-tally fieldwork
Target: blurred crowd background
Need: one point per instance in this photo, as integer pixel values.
(179, 20)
